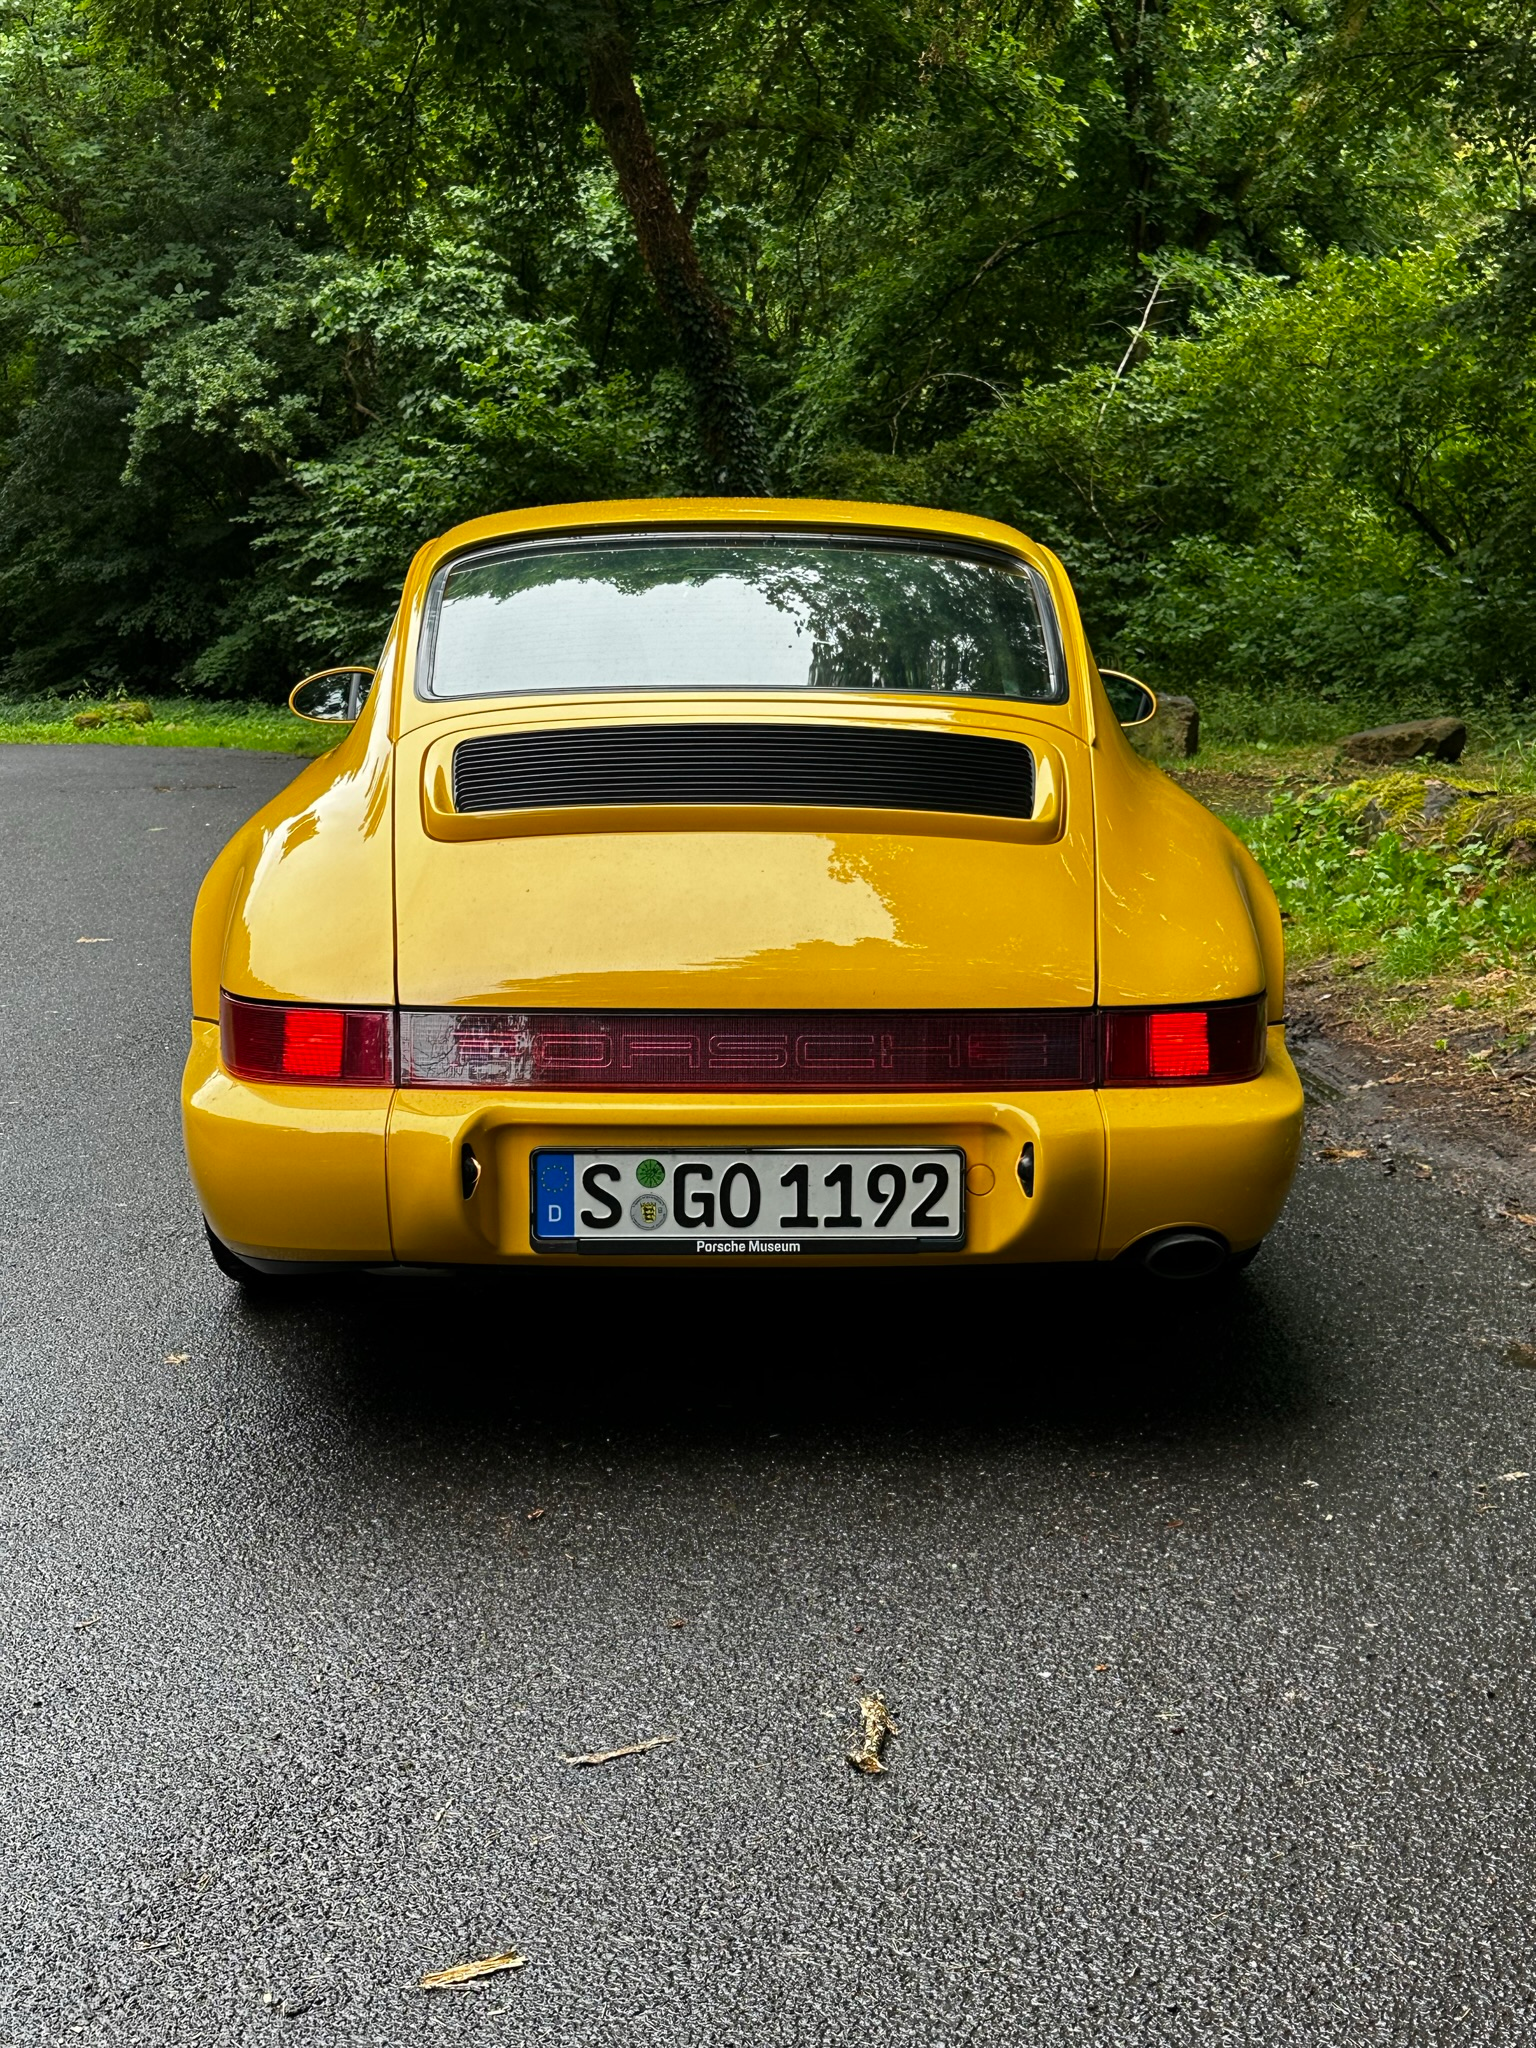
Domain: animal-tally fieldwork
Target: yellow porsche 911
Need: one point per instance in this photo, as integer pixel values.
(753, 879)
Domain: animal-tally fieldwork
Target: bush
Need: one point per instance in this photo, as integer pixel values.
(1321, 496)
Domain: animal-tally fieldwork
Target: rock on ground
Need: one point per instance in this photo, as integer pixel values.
(1441, 738)
(1172, 732)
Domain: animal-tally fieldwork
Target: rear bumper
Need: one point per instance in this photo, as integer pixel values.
(369, 1176)
(1218, 1158)
(286, 1173)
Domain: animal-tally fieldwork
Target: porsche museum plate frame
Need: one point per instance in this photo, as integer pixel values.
(748, 1200)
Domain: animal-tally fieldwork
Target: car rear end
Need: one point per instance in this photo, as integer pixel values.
(747, 906)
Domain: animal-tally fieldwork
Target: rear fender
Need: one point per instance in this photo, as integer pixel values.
(1185, 913)
(299, 906)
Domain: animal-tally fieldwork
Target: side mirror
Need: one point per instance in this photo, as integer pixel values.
(1132, 702)
(332, 696)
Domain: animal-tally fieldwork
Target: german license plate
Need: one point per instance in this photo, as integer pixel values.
(870, 1198)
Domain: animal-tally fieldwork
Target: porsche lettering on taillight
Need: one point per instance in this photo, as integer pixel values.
(306, 1043)
(781, 1051)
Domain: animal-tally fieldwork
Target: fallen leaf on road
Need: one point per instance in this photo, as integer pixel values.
(606, 1756)
(467, 1973)
(1519, 1216)
(177, 1357)
(1344, 1152)
(678, 1621)
(533, 1514)
(1506, 1476)
(877, 1725)
(1521, 1355)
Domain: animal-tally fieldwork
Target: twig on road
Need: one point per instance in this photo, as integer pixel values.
(470, 1973)
(606, 1756)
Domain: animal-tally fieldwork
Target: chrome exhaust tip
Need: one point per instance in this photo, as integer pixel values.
(1182, 1255)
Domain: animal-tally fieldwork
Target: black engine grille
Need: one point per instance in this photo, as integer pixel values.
(837, 766)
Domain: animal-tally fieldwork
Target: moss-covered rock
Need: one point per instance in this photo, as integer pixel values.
(1377, 803)
(1428, 808)
(134, 711)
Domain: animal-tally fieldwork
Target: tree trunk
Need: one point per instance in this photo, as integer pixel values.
(699, 322)
(1148, 120)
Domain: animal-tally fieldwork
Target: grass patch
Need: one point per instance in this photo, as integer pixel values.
(1349, 882)
(170, 722)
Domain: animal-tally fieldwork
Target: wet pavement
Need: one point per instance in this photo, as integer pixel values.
(1205, 1621)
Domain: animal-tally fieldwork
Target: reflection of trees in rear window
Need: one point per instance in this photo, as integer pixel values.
(733, 613)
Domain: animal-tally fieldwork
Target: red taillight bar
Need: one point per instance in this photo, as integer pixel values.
(302, 1043)
(1195, 1043)
(745, 1051)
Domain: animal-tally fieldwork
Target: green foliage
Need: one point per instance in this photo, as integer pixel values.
(222, 437)
(1320, 492)
(1234, 308)
(427, 401)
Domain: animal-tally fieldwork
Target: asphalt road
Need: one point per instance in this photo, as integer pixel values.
(1207, 1628)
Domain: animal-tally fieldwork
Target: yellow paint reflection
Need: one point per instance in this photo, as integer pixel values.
(680, 901)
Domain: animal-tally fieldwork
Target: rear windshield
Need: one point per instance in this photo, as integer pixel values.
(740, 612)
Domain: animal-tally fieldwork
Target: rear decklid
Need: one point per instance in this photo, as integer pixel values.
(658, 851)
